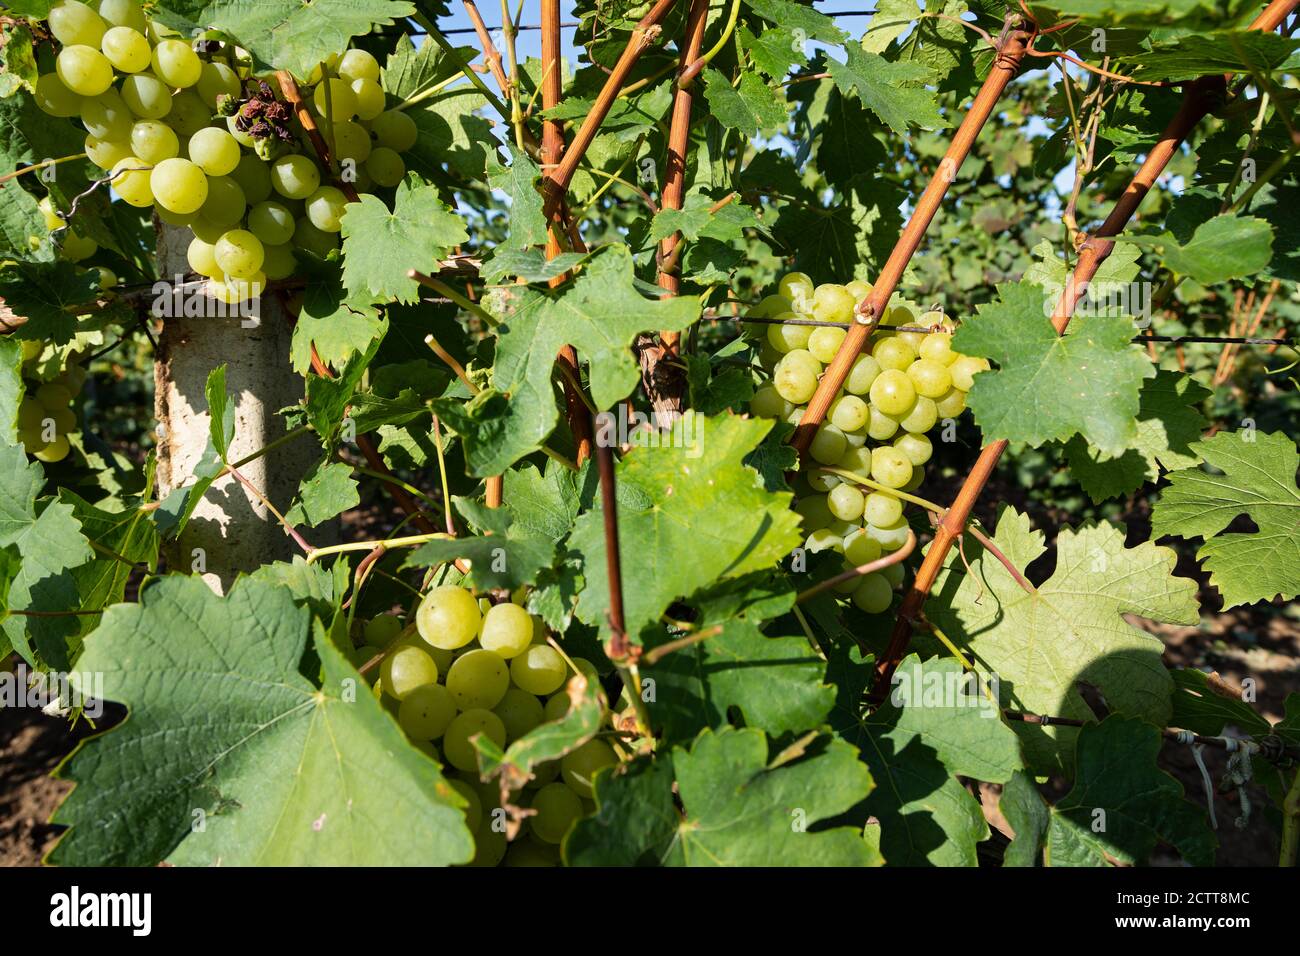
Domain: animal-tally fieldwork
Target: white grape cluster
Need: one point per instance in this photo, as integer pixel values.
(873, 442)
(204, 141)
(473, 667)
(45, 415)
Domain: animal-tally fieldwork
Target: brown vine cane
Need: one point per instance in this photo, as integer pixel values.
(1199, 99)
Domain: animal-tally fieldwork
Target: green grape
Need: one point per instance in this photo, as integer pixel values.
(358, 65)
(126, 49)
(202, 258)
(31, 413)
(821, 481)
(860, 549)
(918, 476)
(893, 573)
(489, 846)
(507, 630)
(930, 379)
(824, 539)
(937, 347)
(176, 64)
(448, 617)
(917, 448)
(242, 137)
(815, 511)
(254, 178)
(76, 248)
(188, 115)
(921, 416)
(382, 630)
(873, 594)
(833, 303)
(74, 23)
(802, 358)
(405, 669)
(473, 808)
(233, 289)
(794, 383)
(217, 79)
(180, 186)
(557, 707)
(768, 403)
(881, 426)
(124, 13)
(295, 176)
(825, 342)
(106, 153)
(225, 204)
(892, 392)
(153, 141)
(342, 102)
(209, 232)
(531, 853)
(385, 166)
(890, 467)
(849, 413)
(845, 502)
(147, 96)
(881, 509)
(278, 262)
(913, 340)
(519, 711)
(952, 404)
(271, 222)
(828, 445)
(862, 373)
(770, 307)
(540, 670)
(351, 141)
(325, 209)
(214, 151)
(106, 116)
(798, 288)
(84, 70)
(785, 338)
(890, 537)
(578, 768)
(964, 369)
(396, 130)
(456, 744)
(893, 353)
(558, 808)
(478, 678)
(370, 98)
(239, 253)
(54, 98)
(131, 179)
(56, 450)
(426, 712)
(306, 236)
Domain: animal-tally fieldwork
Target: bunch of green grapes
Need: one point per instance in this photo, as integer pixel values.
(203, 141)
(472, 667)
(873, 443)
(45, 415)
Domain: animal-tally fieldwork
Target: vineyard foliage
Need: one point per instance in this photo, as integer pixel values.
(486, 688)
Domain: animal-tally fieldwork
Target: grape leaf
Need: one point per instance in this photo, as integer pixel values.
(690, 513)
(1226, 247)
(410, 70)
(294, 35)
(531, 265)
(1122, 804)
(1200, 709)
(1051, 272)
(893, 91)
(42, 292)
(891, 20)
(544, 503)
(326, 491)
(773, 51)
(12, 389)
(1223, 51)
(451, 133)
(1047, 386)
(1071, 629)
(519, 183)
(1147, 13)
(285, 773)
(751, 107)
(1257, 478)
(337, 330)
(508, 556)
(1027, 813)
(695, 220)
(1168, 421)
(791, 16)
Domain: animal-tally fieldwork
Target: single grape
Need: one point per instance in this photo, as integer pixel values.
(325, 209)
(225, 204)
(768, 308)
(396, 130)
(131, 178)
(557, 707)
(489, 846)
(821, 481)
(271, 222)
(176, 64)
(233, 290)
(153, 141)
(937, 347)
(859, 549)
(579, 767)
(126, 49)
(540, 670)
(519, 711)
(56, 450)
(147, 96)
(795, 384)
(558, 808)
(74, 23)
(798, 288)
(54, 98)
(952, 404)
(207, 231)
(295, 176)
(478, 678)
(334, 100)
(890, 467)
(456, 745)
(964, 370)
(202, 257)
(892, 392)
(358, 65)
(278, 261)
(824, 539)
(426, 712)
(863, 372)
(893, 353)
(180, 186)
(254, 178)
(385, 166)
(873, 594)
(881, 509)
(917, 448)
(124, 13)
(308, 237)
(890, 537)
(382, 630)
(857, 460)
(216, 79)
(845, 502)
(106, 116)
(893, 573)
(833, 303)
(785, 338)
(407, 668)
(214, 151)
(239, 253)
(921, 416)
(351, 142)
(828, 445)
(930, 379)
(84, 70)
(768, 403)
(849, 413)
(370, 98)
(507, 630)
(448, 617)
(825, 342)
(881, 426)
(242, 137)
(188, 115)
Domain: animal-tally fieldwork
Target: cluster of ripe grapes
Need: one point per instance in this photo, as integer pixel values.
(873, 443)
(472, 667)
(205, 142)
(45, 415)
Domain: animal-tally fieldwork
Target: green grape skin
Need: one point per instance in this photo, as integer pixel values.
(382, 630)
(507, 630)
(176, 64)
(308, 237)
(202, 257)
(209, 232)
(473, 808)
(254, 178)
(930, 379)
(126, 49)
(396, 130)
(833, 303)
(448, 617)
(859, 549)
(187, 115)
(351, 142)
(845, 502)
(824, 539)
(828, 445)
(881, 509)
(862, 373)
(794, 382)
(75, 24)
(822, 482)
(579, 767)
(153, 141)
(964, 369)
(478, 679)
(557, 707)
(239, 253)
(31, 413)
(426, 711)
(815, 511)
(216, 79)
(131, 181)
(921, 416)
(558, 808)
(55, 99)
(489, 846)
(236, 289)
(180, 186)
(106, 116)
(825, 342)
(768, 403)
(873, 594)
(892, 392)
(341, 104)
(55, 451)
(918, 476)
(913, 339)
(325, 209)
(405, 669)
(539, 670)
(147, 96)
(84, 70)
(849, 413)
(952, 404)
(769, 308)
(881, 427)
(798, 288)
(124, 13)
(214, 151)
(893, 573)
(358, 65)
(54, 396)
(890, 537)
(278, 262)
(385, 167)
(857, 460)
(893, 353)
(890, 467)
(271, 222)
(242, 137)
(520, 712)
(295, 176)
(786, 338)
(225, 204)
(937, 347)
(917, 448)
(369, 96)
(456, 746)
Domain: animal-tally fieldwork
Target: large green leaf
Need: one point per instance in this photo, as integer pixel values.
(1225, 247)
(750, 107)
(893, 91)
(231, 756)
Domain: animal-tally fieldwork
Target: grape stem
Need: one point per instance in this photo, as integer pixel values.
(41, 165)
(410, 541)
(266, 503)
(442, 288)
(883, 489)
(442, 476)
(863, 569)
(657, 654)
